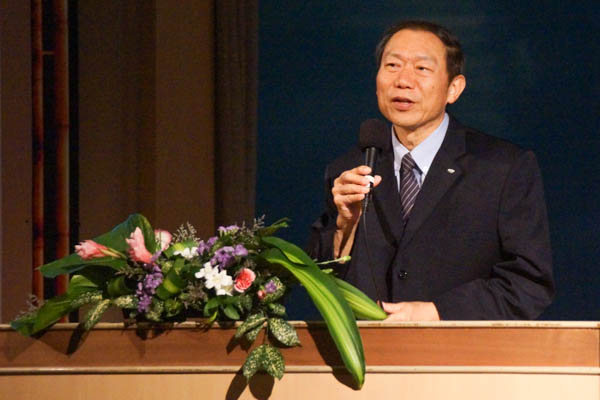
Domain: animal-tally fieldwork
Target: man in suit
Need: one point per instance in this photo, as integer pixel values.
(457, 227)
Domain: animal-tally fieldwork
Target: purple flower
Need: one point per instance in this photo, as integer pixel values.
(223, 230)
(225, 257)
(147, 288)
(240, 251)
(270, 287)
(204, 247)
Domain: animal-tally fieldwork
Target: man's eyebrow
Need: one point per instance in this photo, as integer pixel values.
(423, 57)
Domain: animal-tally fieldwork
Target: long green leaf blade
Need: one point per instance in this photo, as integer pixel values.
(362, 306)
(329, 301)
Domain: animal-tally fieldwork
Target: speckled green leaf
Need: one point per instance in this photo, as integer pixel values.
(252, 334)
(251, 322)
(156, 309)
(272, 361)
(279, 290)
(246, 302)
(283, 332)
(127, 302)
(253, 362)
(276, 309)
(94, 314)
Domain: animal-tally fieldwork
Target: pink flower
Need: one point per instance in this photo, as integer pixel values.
(261, 294)
(137, 247)
(89, 249)
(163, 237)
(244, 279)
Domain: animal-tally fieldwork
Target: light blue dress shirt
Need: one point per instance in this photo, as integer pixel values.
(423, 153)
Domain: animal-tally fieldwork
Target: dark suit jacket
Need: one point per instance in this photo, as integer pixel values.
(476, 242)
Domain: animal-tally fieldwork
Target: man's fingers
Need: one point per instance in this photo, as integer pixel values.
(350, 189)
(377, 180)
(397, 317)
(392, 307)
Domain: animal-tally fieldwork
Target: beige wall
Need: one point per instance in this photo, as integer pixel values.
(15, 156)
(146, 114)
(146, 124)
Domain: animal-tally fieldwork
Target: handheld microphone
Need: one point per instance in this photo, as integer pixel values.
(373, 137)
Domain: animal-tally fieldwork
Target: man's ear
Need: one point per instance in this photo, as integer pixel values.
(455, 88)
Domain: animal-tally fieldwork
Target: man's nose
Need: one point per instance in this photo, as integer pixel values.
(405, 78)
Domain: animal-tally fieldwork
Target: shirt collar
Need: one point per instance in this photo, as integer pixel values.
(424, 153)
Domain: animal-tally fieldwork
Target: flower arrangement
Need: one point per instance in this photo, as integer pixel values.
(241, 274)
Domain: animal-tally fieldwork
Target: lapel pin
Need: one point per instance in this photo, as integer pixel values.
(450, 170)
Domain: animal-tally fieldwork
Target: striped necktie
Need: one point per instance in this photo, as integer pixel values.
(409, 187)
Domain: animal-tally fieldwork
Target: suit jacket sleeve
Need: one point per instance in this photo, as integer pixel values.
(521, 285)
(320, 245)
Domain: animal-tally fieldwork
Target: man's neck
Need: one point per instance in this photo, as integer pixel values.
(411, 138)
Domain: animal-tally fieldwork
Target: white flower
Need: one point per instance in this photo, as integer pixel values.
(187, 253)
(220, 281)
(206, 271)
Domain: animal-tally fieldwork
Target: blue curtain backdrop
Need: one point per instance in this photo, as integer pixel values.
(532, 77)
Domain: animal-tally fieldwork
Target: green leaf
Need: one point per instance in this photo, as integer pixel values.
(245, 302)
(274, 227)
(252, 334)
(253, 362)
(59, 306)
(127, 302)
(266, 358)
(329, 301)
(283, 332)
(117, 287)
(251, 322)
(276, 309)
(156, 309)
(272, 361)
(211, 306)
(362, 306)
(94, 314)
(294, 253)
(81, 291)
(173, 307)
(74, 263)
(172, 284)
(280, 289)
(231, 312)
(114, 239)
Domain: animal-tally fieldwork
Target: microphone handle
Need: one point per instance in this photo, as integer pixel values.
(370, 157)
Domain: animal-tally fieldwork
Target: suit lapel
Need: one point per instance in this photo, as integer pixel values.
(444, 171)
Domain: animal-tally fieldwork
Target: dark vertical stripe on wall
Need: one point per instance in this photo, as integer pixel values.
(37, 82)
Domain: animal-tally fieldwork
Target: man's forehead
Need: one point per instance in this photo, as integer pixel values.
(422, 44)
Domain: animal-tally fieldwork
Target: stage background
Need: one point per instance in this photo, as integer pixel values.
(532, 78)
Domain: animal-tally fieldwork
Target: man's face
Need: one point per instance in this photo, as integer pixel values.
(412, 82)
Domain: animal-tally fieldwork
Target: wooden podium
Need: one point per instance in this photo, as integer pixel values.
(443, 360)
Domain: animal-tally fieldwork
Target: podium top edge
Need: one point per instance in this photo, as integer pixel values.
(361, 325)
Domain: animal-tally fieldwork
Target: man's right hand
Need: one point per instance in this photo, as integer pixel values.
(349, 189)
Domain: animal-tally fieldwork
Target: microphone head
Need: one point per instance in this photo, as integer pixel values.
(374, 133)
